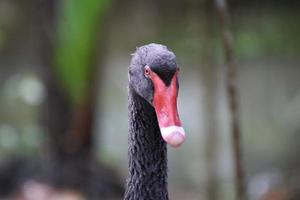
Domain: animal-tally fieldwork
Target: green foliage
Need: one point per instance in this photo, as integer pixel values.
(267, 35)
(78, 26)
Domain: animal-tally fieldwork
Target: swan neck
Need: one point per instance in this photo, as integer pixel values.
(147, 153)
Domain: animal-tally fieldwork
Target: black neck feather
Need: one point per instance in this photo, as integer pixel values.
(147, 152)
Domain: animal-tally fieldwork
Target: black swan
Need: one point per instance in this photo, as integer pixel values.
(153, 121)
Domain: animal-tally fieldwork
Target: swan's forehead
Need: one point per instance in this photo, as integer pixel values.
(161, 62)
(154, 55)
(160, 58)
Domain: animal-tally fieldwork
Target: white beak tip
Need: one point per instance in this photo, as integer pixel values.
(173, 135)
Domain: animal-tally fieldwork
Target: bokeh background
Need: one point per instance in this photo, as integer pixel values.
(63, 96)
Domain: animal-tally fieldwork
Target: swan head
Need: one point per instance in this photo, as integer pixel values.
(153, 74)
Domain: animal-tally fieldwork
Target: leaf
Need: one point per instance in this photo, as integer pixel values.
(78, 26)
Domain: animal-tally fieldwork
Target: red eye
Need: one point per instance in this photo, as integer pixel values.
(147, 71)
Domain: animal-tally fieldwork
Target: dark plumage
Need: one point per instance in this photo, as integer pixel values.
(147, 151)
(147, 179)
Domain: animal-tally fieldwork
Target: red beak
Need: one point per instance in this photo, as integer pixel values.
(165, 105)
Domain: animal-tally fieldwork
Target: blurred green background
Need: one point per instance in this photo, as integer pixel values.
(63, 96)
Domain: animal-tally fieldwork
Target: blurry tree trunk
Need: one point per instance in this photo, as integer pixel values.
(208, 75)
(69, 127)
(70, 161)
(57, 110)
(200, 17)
(233, 97)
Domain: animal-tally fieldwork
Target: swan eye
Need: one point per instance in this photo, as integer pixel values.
(147, 72)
